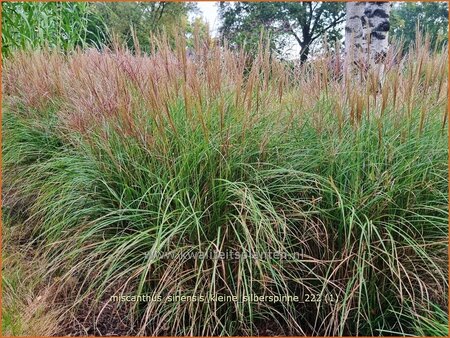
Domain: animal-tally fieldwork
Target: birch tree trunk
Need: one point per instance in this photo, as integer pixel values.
(354, 32)
(377, 14)
(366, 38)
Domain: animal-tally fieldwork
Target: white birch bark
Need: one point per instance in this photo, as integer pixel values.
(354, 33)
(366, 36)
(377, 14)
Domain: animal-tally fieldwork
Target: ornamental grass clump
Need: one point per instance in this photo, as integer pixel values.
(137, 169)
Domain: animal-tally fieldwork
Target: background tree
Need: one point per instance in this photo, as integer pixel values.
(431, 17)
(144, 18)
(377, 28)
(303, 22)
(366, 31)
(354, 31)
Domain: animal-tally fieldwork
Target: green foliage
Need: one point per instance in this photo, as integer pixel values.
(66, 25)
(430, 17)
(62, 25)
(125, 19)
(301, 23)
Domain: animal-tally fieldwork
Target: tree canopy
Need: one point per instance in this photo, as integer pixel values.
(301, 22)
(429, 17)
(143, 18)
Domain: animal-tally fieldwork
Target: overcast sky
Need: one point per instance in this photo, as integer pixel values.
(209, 13)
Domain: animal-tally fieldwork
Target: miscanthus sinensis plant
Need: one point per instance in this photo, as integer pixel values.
(123, 158)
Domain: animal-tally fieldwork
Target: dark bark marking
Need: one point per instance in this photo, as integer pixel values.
(377, 35)
(363, 21)
(380, 56)
(382, 27)
(378, 12)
